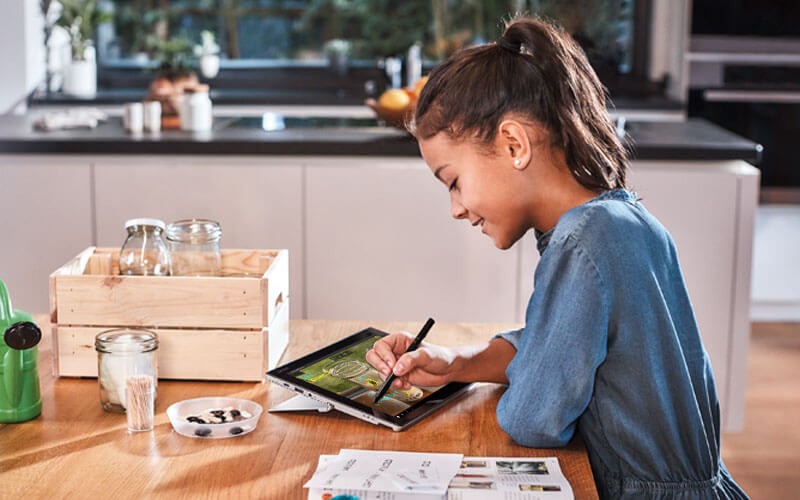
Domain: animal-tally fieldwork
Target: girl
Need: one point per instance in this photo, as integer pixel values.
(519, 133)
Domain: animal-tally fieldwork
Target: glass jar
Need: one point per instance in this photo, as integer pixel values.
(194, 247)
(144, 252)
(124, 355)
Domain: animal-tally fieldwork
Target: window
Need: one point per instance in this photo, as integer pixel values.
(270, 38)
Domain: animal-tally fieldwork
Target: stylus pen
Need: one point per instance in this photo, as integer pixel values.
(413, 347)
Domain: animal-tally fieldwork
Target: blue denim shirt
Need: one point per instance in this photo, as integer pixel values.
(611, 348)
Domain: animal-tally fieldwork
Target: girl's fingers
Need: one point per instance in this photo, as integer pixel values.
(383, 353)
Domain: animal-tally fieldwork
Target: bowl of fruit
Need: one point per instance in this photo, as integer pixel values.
(396, 106)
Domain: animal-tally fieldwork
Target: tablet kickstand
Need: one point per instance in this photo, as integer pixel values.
(301, 403)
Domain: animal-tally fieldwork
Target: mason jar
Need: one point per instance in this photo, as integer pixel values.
(144, 252)
(124, 355)
(194, 247)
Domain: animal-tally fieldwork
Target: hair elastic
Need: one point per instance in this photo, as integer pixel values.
(514, 48)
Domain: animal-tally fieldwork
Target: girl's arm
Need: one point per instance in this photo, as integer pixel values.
(437, 365)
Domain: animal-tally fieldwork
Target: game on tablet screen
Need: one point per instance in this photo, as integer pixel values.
(348, 374)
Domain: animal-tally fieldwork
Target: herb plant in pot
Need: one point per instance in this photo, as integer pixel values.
(207, 53)
(175, 74)
(80, 18)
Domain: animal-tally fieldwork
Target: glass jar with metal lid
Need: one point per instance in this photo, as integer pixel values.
(194, 246)
(124, 355)
(144, 251)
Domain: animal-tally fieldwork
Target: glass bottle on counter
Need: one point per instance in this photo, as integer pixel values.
(194, 246)
(124, 355)
(144, 252)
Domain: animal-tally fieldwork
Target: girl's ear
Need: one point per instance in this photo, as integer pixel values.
(514, 143)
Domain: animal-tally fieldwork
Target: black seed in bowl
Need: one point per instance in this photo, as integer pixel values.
(196, 420)
(202, 432)
(236, 430)
(235, 413)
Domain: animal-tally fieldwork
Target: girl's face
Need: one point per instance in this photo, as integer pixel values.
(489, 190)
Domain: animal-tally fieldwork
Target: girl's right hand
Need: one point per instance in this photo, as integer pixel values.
(429, 365)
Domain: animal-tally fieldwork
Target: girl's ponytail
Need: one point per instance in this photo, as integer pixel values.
(536, 70)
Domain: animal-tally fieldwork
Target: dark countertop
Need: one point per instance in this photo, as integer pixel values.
(304, 96)
(693, 139)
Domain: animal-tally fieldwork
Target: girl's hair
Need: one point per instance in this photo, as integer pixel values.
(537, 71)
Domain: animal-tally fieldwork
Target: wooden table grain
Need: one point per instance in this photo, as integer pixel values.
(77, 450)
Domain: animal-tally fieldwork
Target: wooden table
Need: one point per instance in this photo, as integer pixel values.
(75, 449)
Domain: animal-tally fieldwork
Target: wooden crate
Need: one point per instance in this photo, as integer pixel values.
(229, 327)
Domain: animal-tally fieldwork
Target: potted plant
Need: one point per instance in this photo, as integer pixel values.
(207, 52)
(80, 18)
(173, 57)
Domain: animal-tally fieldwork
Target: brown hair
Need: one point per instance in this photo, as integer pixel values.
(537, 71)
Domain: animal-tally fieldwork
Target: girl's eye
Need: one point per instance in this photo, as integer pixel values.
(453, 185)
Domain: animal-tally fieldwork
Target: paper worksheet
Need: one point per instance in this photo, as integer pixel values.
(483, 478)
(385, 475)
(356, 473)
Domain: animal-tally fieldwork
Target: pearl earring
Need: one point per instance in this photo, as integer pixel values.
(517, 163)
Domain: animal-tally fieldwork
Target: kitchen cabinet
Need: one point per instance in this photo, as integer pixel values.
(381, 244)
(46, 204)
(257, 200)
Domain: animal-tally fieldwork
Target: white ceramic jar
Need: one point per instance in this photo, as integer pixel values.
(195, 109)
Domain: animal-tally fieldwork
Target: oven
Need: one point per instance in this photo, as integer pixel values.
(744, 75)
(769, 117)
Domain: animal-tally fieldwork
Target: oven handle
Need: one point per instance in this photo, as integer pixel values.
(752, 96)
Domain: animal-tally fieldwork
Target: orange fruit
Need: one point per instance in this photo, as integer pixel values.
(394, 100)
(420, 83)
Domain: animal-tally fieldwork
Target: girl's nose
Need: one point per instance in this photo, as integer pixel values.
(456, 209)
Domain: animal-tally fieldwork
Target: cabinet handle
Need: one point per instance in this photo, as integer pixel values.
(752, 96)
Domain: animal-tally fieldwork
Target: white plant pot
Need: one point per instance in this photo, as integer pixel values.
(209, 65)
(80, 79)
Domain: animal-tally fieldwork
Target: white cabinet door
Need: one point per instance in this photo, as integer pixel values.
(46, 208)
(382, 245)
(257, 200)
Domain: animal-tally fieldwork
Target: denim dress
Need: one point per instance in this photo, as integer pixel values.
(611, 348)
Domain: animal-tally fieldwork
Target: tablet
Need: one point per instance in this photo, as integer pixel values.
(339, 375)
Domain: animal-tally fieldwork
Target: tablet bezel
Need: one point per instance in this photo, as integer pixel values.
(281, 375)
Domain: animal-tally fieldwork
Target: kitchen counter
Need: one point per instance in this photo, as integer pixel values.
(76, 449)
(693, 139)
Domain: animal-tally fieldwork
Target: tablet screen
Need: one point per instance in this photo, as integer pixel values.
(340, 373)
(347, 374)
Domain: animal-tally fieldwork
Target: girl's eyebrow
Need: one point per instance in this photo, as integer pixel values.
(439, 169)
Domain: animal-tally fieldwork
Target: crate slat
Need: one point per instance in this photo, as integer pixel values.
(181, 354)
(160, 301)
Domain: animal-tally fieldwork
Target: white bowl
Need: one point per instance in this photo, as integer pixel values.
(178, 412)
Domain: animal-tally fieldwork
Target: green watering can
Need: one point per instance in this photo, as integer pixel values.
(20, 398)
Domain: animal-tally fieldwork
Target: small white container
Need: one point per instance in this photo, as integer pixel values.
(152, 116)
(195, 109)
(179, 411)
(133, 117)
